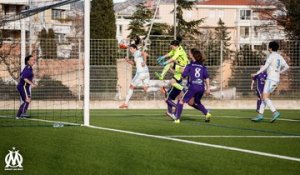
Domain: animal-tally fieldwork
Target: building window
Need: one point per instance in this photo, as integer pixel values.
(11, 9)
(245, 14)
(255, 31)
(58, 14)
(244, 32)
(120, 29)
(60, 37)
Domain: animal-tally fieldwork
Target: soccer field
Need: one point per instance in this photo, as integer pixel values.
(147, 142)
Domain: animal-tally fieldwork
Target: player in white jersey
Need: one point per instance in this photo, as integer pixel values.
(275, 65)
(142, 76)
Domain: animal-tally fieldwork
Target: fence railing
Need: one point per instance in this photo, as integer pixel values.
(59, 68)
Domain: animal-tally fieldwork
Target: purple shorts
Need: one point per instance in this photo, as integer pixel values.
(193, 91)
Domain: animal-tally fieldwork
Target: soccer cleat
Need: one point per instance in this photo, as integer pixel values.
(123, 106)
(159, 76)
(207, 117)
(258, 118)
(170, 115)
(25, 115)
(276, 115)
(177, 121)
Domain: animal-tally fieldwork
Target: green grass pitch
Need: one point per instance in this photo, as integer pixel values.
(82, 150)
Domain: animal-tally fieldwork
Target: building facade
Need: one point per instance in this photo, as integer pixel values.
(243, 19)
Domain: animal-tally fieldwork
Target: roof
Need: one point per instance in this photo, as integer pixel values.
(228, 2)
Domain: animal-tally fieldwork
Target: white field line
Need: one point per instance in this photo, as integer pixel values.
(41, 120)
(283, 119)
(194, 115)
(199, 143)
(183, 141)
(228, 136)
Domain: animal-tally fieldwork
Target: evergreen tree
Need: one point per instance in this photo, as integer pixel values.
(140, 18)
(186, 29)
(103, 22)
(221, 34)
(43, 35)
(52, 44)
(48, 43)
(291, 18)
(212, 50)
(160, 29)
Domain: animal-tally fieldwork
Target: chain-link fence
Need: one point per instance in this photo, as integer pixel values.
(59, 69)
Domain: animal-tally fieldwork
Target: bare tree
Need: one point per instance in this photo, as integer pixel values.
(285, 14)
(10, 59)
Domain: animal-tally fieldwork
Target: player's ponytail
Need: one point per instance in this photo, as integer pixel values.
(27, 58)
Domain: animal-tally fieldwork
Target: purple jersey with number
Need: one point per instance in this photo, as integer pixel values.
(196, 73)
(27, 73)
(260, 81)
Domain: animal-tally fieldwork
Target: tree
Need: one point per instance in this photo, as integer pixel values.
(160, 29)
(186, 29)
(212, 50)
(48, 43)
(246, 56)
(103, 22)
(52, 44)
(10, 56)
(43, 40)
(286, 14)
(221, 34)
(291, 18)
(140, 18)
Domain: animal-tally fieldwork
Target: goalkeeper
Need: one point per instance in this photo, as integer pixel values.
(178, 57)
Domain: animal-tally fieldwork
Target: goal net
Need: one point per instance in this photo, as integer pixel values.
(51, 31)
(54, 34)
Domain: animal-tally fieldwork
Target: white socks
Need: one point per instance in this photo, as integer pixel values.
(270, 104)
(264, 103)
(262, 107)
(128, 96)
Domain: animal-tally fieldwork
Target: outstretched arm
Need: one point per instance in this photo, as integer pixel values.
(129, 61)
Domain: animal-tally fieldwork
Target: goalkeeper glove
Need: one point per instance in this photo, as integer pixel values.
(164, 63)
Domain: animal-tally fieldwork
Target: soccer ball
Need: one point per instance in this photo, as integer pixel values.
(122, 46)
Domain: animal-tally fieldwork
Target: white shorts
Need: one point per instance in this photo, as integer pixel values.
(270, 86)
(141, 79)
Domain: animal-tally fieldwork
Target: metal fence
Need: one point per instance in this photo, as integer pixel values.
(59, 69)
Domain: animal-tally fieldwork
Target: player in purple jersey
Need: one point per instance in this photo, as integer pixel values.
(260, 83)
(198, 83)
(24, 86)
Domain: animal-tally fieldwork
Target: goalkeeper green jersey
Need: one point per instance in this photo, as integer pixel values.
(179, 56)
